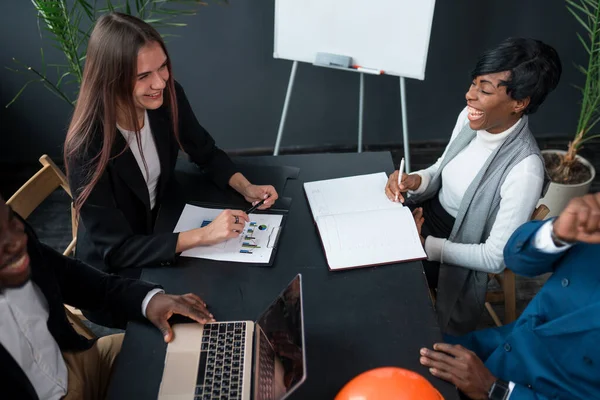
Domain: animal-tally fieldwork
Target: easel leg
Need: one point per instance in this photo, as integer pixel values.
(361, 106)
(286, 103)
(404, 126)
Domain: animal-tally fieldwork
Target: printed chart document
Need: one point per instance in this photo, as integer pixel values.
(358, 224)
(254, 245)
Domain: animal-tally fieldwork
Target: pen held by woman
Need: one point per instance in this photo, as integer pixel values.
(400, 177)
(254, 207)
(394, 190)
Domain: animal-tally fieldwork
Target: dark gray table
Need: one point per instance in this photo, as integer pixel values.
(355, 320)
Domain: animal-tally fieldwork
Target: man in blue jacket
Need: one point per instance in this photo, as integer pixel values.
(553, 350)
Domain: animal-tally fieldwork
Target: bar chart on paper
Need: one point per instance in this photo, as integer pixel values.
(254, 244)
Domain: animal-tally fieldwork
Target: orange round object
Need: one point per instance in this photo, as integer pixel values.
(389, 383)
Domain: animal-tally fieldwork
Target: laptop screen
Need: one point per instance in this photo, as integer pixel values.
(280, 365)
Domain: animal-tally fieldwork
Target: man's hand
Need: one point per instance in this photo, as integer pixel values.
(461, 367)
(580, 220)
(163, 306)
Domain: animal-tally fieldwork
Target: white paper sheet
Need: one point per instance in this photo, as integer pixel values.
(254, 245)
(349, 195)
(370, 238)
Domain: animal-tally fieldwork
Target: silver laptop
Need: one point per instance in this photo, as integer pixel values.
(261, 360)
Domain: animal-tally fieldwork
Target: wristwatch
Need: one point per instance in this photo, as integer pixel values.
(499, 390)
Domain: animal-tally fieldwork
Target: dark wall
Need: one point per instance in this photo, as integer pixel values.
(224, 60)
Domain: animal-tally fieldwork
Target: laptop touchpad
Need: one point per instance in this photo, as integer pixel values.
(181, 363)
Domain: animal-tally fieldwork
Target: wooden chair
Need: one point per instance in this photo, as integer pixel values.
(507, 283)
(30, 196)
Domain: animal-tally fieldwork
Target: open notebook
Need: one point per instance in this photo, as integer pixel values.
(358, 224)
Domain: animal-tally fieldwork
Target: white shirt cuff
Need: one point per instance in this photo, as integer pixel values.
(425, 178)
(511, 386)
(543, 240)
(434, 247)
(149, 297)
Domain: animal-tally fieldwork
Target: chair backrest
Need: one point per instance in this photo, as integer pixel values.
(38, 188)
(540, 213)
(29, 196)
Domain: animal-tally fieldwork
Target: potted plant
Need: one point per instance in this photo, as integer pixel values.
(70, 28)
(572, 175)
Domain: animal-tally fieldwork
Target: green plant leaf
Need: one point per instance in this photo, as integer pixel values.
(578, 18)
(583, 42)
(588, 138)
(62, 77)
(591, 3)
(67, 24)
(180, 24)
(16, 71)
(581, 69)
(582, 8)
(87, 8)
(20, 92)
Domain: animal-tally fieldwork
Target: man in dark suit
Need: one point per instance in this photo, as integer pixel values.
(552, 350)
(41, 354)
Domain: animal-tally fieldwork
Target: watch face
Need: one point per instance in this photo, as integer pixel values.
(499, 390)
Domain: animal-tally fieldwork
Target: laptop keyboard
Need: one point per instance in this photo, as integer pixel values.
(220, 371)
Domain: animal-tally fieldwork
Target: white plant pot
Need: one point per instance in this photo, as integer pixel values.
(558, 194)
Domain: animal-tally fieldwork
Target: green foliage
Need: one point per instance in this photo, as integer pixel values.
(587, 13)
(69, 28)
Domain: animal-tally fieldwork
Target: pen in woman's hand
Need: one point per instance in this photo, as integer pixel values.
(400, 173)
(254, 207)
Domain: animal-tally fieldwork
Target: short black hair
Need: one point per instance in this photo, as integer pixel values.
(534, 67)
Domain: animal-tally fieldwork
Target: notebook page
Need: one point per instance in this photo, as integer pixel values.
(349, 195)
(370, 237)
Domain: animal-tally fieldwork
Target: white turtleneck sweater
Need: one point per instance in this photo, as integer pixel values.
(519, 193)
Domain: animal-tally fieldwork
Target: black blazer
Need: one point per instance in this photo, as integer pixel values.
(116, 225)
(66, 280)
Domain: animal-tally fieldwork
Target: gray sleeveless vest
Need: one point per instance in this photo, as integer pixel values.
(461, 291)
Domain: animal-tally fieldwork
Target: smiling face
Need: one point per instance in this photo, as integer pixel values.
(151, 77)
(490, 107)
(14, 260)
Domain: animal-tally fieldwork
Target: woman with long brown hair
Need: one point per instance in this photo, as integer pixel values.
(129, 123)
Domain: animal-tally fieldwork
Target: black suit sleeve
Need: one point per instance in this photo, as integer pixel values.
(200, 145)
(110, 231)
(87, 288)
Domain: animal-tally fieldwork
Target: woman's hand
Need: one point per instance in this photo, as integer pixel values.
(227, 225)
(419, 220)
(409, 182)
(255, 193)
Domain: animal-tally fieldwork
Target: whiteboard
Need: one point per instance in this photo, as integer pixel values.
(390, 35)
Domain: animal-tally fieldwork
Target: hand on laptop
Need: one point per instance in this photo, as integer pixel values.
(163, 306)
